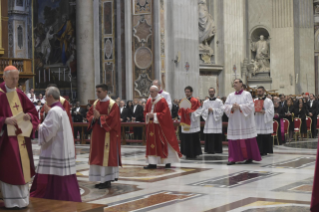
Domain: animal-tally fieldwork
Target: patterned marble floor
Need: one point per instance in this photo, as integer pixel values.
(280, 182)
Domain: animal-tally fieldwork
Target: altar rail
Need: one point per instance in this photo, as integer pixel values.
(123, 133)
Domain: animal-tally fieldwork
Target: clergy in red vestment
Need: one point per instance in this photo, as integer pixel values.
(315, 189)
(105, 153)
(190, 123)
(161, 142)
(16, 158)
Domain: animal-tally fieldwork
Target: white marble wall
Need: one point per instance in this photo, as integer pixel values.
(234, 39)
(206, 82)
(182, 39)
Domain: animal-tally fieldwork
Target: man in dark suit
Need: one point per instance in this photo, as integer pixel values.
(282, 102)
(175, 109)
(313, 108)
(123, 112)
(137, 117)
(77, 117)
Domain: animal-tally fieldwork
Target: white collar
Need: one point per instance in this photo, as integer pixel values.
(9, 89)
(105, 99)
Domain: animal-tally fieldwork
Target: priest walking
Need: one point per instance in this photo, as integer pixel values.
(105, 153)
(161, 142)
(16, 158)
(264, 122)
(56, 173)
(241, 132)
(212, 113)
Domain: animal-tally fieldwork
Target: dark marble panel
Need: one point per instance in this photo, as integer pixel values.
(303, 186)
(108, 15)
(152, 201)
(250, 200)
(296, 163)
(235, 179)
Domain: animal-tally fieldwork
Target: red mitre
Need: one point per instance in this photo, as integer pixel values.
(10, 68)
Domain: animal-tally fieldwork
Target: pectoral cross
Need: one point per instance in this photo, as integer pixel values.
(24, 144)
(16, 106)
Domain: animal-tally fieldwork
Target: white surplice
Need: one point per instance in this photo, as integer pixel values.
(56, 139)
(213, 121)
(241, 123)
(264, 122)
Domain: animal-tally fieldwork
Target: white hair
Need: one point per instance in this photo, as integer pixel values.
(55, 92)
(6, 73)
(154, 86)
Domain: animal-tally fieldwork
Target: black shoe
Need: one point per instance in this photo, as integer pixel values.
(168, 166)
(230, 163)
(150, 166)
(248, 161)
(98, 185)
(105, 185)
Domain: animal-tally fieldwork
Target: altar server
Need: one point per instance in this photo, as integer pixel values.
(241, 132)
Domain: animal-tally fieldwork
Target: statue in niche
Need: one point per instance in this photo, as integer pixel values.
(20, 37)
(206, 31)
(261, 60)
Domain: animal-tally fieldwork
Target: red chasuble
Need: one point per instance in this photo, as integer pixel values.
(106, 134)
(67, 108)
(185, 113)
(16, 158)
(158, 136)
(315, 189)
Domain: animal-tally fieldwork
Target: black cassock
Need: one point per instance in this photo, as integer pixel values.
(281, 113)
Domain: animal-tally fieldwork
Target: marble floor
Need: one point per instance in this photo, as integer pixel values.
(280, 182)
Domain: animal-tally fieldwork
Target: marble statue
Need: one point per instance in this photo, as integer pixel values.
(261, 48)
(206, 27)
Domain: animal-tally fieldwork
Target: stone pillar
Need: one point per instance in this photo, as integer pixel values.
(234, 40)
(128, 49)
(182, 47)
(84, 43)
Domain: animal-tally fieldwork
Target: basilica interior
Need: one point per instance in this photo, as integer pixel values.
(127, 44)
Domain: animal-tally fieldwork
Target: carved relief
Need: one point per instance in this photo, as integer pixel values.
(142, 7)
(109, 76)
(142, 85)
(108, 48)
(143, 57)
(10, 38)
(142, 31)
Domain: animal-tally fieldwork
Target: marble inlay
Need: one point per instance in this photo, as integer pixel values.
(296, 163)
(151, 201)
(235, 179)
(137, 173)
(303, 186)
(89, 193)
(253, 204)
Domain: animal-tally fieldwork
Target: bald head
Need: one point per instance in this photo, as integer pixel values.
(11, 78)
(153, 91)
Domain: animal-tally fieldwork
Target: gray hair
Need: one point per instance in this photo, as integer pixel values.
(158, 82)
(54, 92)
(6, 73)
(212, 88)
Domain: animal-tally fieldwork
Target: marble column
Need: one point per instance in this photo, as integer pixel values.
(234, 40)
(182, 47)
(85, 50)
(128, 49)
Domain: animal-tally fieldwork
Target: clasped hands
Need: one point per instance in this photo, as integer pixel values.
(96, 114)
(235, 107)
(150, 115)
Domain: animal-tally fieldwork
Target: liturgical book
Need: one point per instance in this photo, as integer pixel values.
(23, 128)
